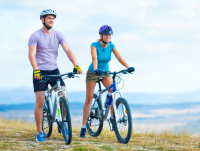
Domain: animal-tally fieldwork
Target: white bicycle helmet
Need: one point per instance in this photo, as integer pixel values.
(47, 12)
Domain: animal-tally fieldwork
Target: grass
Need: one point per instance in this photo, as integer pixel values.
(21, 135)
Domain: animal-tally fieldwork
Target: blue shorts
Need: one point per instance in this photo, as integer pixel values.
(40, 85)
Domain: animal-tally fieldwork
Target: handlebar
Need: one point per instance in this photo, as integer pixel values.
(125, 71)
(69, 75)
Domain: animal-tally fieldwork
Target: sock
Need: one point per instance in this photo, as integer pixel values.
(83, 127)
(40, 133)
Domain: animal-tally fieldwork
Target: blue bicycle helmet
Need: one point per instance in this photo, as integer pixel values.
(106, 30)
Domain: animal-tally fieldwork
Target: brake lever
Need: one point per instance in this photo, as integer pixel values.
(125, 72)
(45, 80)
(65, 77)
(41, 81)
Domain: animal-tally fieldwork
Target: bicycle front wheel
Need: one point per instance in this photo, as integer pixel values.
(94, 125)
(46, 121)
(122, 127)
(66, 127)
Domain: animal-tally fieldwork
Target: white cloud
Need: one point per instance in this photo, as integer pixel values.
(159, 38)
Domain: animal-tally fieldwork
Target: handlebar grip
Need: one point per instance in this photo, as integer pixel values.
(131, 69)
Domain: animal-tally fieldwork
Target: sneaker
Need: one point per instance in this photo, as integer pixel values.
(66, 130)
(40, 137)
(83, 133)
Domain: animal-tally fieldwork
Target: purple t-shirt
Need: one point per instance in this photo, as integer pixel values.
(47, 48)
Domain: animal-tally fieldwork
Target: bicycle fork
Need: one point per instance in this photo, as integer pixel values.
(58, 103)
(58, 119)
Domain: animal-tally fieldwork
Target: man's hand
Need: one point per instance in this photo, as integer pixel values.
(77, 70)
(37, 74)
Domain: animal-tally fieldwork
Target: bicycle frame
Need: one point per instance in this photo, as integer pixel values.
(111, 99)
(56, 107)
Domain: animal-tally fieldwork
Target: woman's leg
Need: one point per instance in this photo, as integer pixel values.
(107, 82)
(89, 95)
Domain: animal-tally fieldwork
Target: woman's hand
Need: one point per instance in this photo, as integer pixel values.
(131, 69)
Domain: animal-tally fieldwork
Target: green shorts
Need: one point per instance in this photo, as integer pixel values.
(90, 76)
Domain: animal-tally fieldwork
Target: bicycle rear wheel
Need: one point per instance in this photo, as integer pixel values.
(94, 125)
(66, 127)
(123, 127)
(46, 122)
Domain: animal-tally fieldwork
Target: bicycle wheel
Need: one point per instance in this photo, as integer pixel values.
(66, 127)
(123, 127)
(94, 125)
(46, 122)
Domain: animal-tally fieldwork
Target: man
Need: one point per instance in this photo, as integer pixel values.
(43, 51)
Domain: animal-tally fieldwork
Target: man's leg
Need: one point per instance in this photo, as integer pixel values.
(40, 95)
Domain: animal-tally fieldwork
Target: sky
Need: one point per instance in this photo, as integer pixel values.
(160, 39)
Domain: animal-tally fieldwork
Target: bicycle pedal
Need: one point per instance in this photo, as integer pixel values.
(59, 130)
(59, 127)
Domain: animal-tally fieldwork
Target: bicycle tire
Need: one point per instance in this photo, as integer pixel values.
(123, 120)
(65, 120)
(46, 121)
(92, 130)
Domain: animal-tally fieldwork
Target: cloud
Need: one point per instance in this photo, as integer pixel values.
(159, 38)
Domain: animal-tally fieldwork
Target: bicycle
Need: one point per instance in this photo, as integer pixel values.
(61, 108)
(121, 114)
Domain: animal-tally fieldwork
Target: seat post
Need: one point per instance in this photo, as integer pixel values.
(99, 84)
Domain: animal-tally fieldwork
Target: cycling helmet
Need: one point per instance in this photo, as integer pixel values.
(105, 30)
(47, 12)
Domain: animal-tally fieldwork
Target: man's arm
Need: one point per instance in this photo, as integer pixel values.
(31, 56)
(70, 55)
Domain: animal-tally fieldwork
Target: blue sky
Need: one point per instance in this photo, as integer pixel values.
(159, 38)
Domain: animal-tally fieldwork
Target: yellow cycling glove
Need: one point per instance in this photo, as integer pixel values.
(37, 73)
(76, 69)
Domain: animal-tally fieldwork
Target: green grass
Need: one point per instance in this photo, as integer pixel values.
(76, 142)
(80, 149)
(106, 141)
(106, 147)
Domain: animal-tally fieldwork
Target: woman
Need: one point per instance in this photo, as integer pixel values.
(101, 55)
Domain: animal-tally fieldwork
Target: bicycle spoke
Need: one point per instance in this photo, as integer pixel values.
(123, 130)
(66, 121)
(93, 124)
(123, 127)
(46, 122)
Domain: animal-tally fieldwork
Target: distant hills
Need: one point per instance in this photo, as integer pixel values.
(26, 95)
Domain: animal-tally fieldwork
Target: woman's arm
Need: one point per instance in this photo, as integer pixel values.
(94, 57)
(119, 58)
